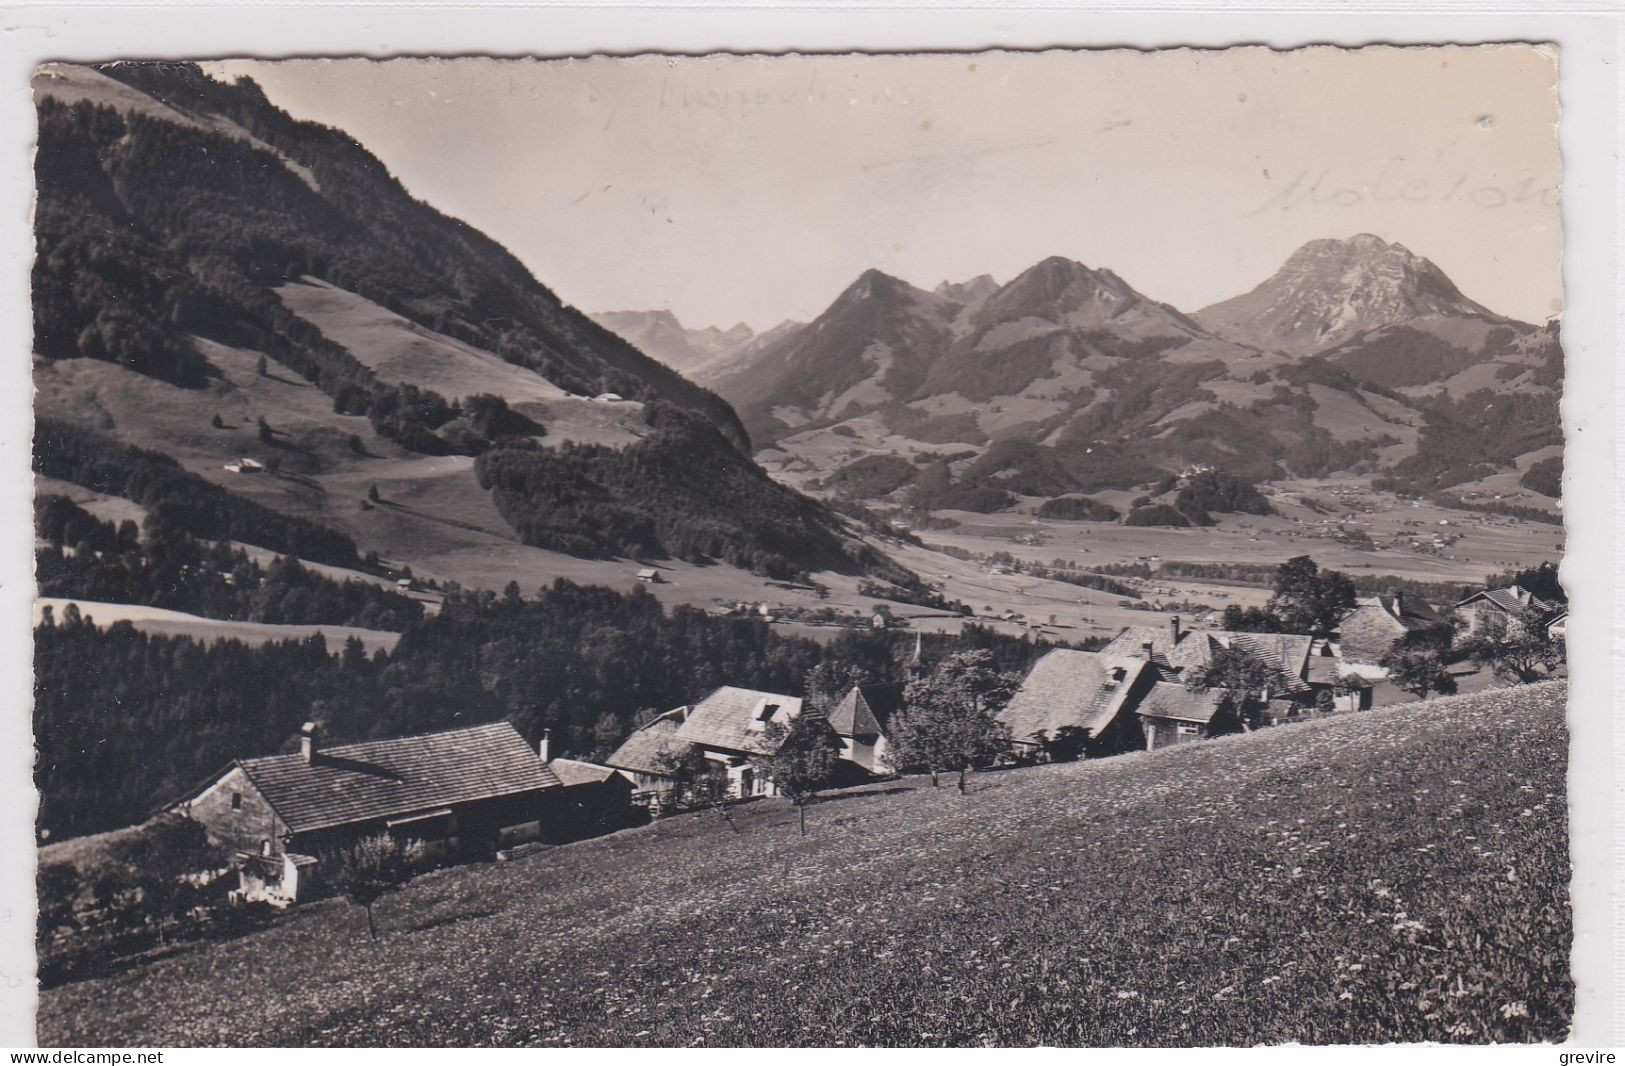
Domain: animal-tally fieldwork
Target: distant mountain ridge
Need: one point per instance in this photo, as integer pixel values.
(1351, 357)
(659, 334)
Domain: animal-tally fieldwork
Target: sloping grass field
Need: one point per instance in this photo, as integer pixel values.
(1396, 875)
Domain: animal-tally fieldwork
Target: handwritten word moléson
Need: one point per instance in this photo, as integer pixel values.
(1395, 183)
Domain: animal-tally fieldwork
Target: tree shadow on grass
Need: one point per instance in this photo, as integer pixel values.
(449, 919)
(821, 800)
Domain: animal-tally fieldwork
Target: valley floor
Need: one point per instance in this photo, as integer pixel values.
(1395, 875)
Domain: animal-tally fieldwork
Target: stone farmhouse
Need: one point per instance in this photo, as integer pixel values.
(460, 791)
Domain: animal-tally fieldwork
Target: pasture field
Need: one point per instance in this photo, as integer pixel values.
(1393, 875)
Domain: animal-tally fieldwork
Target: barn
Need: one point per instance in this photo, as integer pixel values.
(467, 791)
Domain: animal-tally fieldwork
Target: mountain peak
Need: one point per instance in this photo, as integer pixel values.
(1330, 289)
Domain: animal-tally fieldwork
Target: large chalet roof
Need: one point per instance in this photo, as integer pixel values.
(865, 710)
(1081, 689)
(734, 718)
(1169, 699)
(376, 779)
(645, 750)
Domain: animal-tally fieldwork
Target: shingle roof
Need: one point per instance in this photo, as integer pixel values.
(644, 751)
(852, 717)
(1171, 700)
(1511, 598)
(374, 779)
(575, 772)
(1289, 652)
(1194, 647)
(732, 718)
(1070, 688)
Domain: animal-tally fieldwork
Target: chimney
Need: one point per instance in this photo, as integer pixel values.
(307, 741)
(1173, 628)
(1148, 649)
(544, 744)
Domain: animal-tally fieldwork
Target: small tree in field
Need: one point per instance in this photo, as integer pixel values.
(949, 721)
(800, 759)
(373, 867)
(697, 782)
(1418, 668)
(1240, 676)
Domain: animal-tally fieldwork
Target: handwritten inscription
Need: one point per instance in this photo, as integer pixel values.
(1395, 181)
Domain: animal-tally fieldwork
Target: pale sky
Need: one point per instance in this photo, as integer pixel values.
(755, 189)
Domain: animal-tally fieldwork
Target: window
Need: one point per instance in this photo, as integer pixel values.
(1188, 730)
(236, 801)
(767, 712)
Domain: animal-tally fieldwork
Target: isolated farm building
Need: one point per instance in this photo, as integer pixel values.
(650, 575)
(1078, 703)
(730, 726)
(642, 757)
(1496, 611)
(1368, 631)
(1172, 714)
(861, 719)
(470, 790)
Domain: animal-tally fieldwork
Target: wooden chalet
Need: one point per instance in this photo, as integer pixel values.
(1490, 612)
(1078, 703)
(642, 756)
(730, 726)
(460, 791)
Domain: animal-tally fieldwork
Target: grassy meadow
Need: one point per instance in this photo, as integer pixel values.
(1396, 875)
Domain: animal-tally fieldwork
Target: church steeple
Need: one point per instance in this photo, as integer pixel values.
(916, 662)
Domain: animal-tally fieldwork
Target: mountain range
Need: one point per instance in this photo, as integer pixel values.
(217, 281)
(1356, 356)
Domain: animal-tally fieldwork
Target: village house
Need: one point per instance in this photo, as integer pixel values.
(642, 757)
(1074, 704)
(1558, 627)
(1368, 632)
(1491, 612)
(860, 720)
(730, 727)
(1172, 714)
(460, 791)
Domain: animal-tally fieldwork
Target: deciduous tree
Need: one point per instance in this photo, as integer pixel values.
(373, 867)
(1418, 668)
(1308, 599)
(1240, 676)
(949, 721)
(800, 758)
